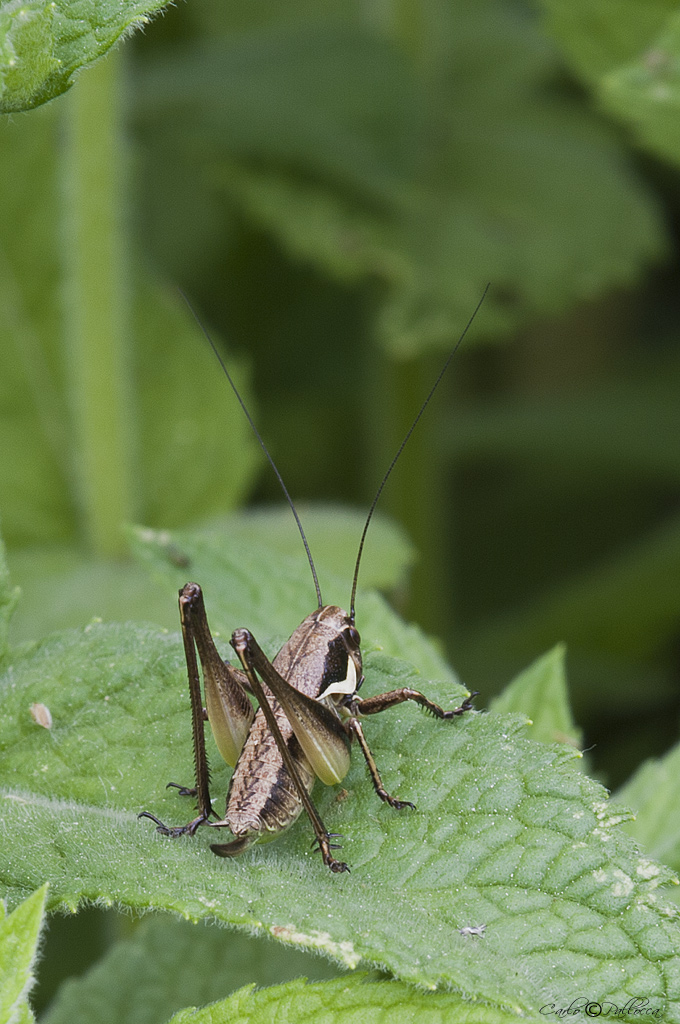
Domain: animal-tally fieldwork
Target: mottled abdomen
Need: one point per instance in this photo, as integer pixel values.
(262, 796)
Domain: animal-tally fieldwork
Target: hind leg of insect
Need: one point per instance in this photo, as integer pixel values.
(228, 710)
(306, 716)
(373, 706)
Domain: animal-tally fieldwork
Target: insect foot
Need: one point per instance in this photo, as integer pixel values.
(173, 831)
(182, 790)
(324, 844)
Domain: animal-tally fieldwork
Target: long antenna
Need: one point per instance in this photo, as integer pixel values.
(400, 450)
(263, 446)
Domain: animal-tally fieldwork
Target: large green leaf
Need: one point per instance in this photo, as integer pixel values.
(598, 36)
(507, 834)
(19, 933)
(645, 93)
(97, 588)
(168, 964)
(9, 596)
(44, 43)
(434, 183)
(333, 533)
(194, 452)
(334, 1002)
(123, 590)
(273, 604)
(628, 53)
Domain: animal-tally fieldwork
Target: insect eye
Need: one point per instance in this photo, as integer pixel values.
(354, 636)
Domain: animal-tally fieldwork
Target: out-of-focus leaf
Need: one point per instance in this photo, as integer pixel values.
(627, 606)
(333, 533)
(622, 426)
(333, 1002)
(328, 138)
(9, 596)
(629, 54)
(645, 94)
(654, 794)
(195, 453)
(168, 964)
(598, 36)
(541, 693)
(196, 450)
(44, 43)
(19, 933)
(274, 605)
(114, 590)
(63, 588)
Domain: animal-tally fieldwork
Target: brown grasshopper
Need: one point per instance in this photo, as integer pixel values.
(309, 712)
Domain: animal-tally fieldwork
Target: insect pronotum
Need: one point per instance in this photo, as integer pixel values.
(309, 711)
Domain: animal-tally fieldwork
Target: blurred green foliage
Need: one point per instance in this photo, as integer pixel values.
(333, 189)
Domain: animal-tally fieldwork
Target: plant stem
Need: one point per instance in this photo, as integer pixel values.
(97, 304)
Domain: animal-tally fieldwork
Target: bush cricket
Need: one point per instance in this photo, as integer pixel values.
(309, 711)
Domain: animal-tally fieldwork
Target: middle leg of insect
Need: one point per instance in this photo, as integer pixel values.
(308, 716)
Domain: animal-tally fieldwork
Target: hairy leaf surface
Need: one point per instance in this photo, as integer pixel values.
(507, 834)
(19, 933)
(44, 43)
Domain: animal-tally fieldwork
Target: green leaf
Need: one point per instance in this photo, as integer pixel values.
(97, 588)
(541, 693)
(597, 36)
(654, 795)
(345, 999)
(645, 93)
(24, 1015)
(168, 964)
(434, 183)
(181, 405)
(44, 43)
(197, 453)
(19, 933)
(9, 597)
(263, 600)
(114, 590)
(628, 53)
(333, 533)
(507, 834)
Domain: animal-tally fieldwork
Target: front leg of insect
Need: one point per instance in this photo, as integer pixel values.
(372, 706)
(228, 708)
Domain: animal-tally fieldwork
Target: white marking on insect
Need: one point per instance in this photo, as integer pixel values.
(347, 685)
